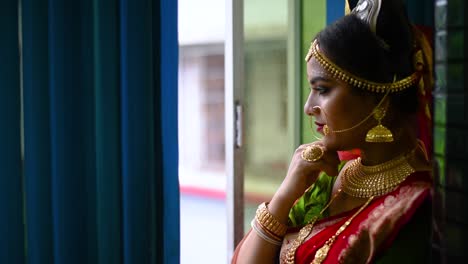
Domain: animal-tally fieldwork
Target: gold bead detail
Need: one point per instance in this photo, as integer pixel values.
(361, 83)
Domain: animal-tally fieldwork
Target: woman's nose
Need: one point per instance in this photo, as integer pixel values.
(310, 106)
(311, 110)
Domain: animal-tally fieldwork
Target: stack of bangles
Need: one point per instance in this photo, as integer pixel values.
(268, 227)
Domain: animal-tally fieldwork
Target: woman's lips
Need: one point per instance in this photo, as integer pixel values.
(319, 126)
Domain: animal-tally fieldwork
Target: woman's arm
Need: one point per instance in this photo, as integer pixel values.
(255, 249)
(301, 174)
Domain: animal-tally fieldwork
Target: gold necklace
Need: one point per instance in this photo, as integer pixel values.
(322, 252)
(358, 181)
(305, 232)
(366, 181)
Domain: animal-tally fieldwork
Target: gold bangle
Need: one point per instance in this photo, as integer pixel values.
(265, 235)
(269, 222)
(266, 231)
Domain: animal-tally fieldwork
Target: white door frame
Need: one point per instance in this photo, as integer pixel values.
(234, 102)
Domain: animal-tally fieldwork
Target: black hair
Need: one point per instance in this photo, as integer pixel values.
(378, 57)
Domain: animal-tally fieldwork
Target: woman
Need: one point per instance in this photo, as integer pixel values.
(369, 74)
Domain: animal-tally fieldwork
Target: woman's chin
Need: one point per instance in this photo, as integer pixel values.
(328, 143)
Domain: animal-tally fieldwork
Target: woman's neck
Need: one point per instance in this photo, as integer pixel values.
(377, 153)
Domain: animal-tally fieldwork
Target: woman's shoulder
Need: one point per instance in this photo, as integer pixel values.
(391, 218)
(412, 243)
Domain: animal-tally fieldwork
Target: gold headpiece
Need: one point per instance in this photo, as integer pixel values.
(341, 74)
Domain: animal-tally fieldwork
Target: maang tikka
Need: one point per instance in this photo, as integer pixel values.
(379, 133)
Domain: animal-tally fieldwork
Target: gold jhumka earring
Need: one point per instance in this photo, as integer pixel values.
(379, 133)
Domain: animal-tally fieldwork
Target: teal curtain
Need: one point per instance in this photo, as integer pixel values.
(88, 132)
(11, 196)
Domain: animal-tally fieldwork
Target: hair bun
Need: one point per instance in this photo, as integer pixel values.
(388, 20)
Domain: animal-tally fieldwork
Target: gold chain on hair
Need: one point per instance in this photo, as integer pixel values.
(353, 80)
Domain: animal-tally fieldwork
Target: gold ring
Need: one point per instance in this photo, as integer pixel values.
(312, 153)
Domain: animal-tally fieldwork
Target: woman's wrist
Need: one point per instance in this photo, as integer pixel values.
(279, 206)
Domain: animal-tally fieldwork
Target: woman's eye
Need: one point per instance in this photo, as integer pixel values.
(320, 89)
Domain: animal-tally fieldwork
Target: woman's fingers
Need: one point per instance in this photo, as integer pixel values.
(303, 170)
(328, 162)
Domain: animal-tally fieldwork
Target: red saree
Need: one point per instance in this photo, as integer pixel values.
(372, 231)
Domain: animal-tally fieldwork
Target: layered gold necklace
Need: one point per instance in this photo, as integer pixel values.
(358, 181)
(366, 181)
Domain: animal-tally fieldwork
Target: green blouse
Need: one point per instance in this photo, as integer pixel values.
(312, 201)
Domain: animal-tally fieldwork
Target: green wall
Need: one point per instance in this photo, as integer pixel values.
(313, 19)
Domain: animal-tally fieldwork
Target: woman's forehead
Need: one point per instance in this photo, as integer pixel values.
(315, 69)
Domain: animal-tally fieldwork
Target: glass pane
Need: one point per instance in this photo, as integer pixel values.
(267, 151)
(201, 131)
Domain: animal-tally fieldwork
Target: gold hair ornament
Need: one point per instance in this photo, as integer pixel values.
(368, 11)
(381, 133)
(343, 75)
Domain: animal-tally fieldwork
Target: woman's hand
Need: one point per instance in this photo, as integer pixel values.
(302, 173)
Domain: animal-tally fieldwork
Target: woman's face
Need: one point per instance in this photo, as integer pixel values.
(331, 102)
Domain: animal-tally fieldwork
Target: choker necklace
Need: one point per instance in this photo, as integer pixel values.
(366, 181)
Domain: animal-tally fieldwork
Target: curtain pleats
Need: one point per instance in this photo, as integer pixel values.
(71, 122)
(107, 130)
(168, 73)
(11, 196)
(97, 181)
(37, 141)
(137, 119)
